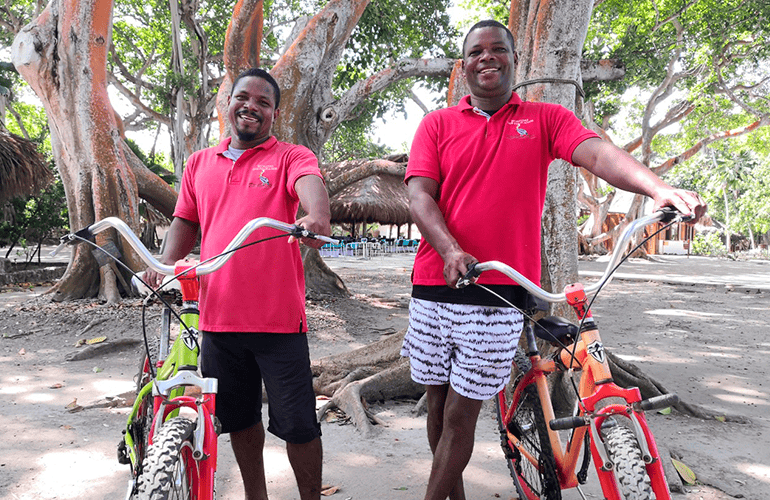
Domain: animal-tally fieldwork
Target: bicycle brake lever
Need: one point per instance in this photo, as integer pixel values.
(465, 279)
(670, 213)
(301, 232)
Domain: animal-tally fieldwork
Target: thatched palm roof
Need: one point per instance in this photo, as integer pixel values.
(23, 171)
(378, 198)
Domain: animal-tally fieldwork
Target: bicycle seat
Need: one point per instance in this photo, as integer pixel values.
(556, 330)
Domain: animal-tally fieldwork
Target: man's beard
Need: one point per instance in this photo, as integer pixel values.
(246, 136)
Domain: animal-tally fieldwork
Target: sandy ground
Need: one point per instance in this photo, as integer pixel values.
(707, 342)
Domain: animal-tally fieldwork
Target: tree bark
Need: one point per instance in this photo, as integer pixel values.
(549, 37)
(63, 56)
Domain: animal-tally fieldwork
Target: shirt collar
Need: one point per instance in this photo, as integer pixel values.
(269, 143)
(465, 102)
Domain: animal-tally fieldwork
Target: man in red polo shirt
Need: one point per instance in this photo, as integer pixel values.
(253, 308)
(471, 167)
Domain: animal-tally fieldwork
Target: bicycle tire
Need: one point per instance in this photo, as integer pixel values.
(169, 470)
(529, 425)
(630, 471)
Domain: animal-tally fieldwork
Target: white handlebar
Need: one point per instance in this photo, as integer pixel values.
(209, 267)
(617, 253)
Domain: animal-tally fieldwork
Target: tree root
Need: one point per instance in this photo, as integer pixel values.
(629, 375)
(375, 372)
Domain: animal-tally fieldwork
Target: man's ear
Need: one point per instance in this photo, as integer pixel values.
(515, 58)
(276, 113)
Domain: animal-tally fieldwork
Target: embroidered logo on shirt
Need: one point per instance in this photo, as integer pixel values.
(263, 179)
(520, 130)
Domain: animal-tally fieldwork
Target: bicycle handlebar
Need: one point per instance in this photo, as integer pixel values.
(209, 267)
(663, 215)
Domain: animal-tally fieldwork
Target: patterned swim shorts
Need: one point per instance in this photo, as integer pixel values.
(467, 346)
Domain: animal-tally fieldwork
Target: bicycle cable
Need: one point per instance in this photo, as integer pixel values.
(156, 292)
(599, 289)
(573, 359)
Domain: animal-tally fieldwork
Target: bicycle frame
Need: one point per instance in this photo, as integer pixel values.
(586, 354)
(178, 369)
(175, 372)
(595, 385)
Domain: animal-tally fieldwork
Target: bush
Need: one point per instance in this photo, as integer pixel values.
(708, 244)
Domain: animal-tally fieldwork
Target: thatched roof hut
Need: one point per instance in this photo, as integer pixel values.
(23, 170)
(378, 198)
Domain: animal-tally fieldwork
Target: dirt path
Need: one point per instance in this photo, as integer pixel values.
(705, 343)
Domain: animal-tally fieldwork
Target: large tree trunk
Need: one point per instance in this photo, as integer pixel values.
(549, 38)
(63, 57)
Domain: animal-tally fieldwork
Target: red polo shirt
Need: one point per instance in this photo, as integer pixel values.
(492, 176)
(262, 287)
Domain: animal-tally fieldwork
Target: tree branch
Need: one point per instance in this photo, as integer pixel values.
(339, 111)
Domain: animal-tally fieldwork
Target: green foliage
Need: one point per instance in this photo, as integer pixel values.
(389, 30)
(35, 219)
(708, 244)
(157, 163)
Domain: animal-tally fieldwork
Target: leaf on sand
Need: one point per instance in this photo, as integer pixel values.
(96, 340)
(329, 490)
(80, 342)
(96, 369)
(56, 386)
(665, 411)
(687, 475)
(73, 406)
(720, 418)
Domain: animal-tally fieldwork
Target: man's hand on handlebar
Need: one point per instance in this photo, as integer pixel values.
(153, 278)
(686, 202)
(317, 226)
(456, 265)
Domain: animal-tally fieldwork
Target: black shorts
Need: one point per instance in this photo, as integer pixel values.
(241, 361)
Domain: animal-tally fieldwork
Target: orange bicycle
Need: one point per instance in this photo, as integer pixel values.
(607, 420)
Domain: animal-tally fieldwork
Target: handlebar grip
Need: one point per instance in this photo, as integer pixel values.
(301, 232)
(671, 213)
(562, 424)
(662, 401)
(465, 279)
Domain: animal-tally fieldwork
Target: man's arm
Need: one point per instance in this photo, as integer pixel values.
(432, 225)
(315, 202)
(623, 171)
(179, 241)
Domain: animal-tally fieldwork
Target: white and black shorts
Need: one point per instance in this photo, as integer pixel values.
(469, 347)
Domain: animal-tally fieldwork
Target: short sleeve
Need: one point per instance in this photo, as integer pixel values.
(424, 154)
(187, 203)
(300, 162)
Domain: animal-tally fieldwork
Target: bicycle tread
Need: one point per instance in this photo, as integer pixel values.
(162, 457)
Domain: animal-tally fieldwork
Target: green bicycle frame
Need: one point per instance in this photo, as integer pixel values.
(184, 352)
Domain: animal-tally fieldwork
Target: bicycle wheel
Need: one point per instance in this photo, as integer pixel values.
(630, 472)
(529, 426)
(169, 470)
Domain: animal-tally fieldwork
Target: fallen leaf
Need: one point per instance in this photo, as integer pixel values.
(96, 369)
(80, 342)
(73, 406)
(720, 418)
(401, 488)
(66, 427)
(665, 411)
(330, 491)
(22, 352)
(56, 386)
(96, 340)
(687, 475)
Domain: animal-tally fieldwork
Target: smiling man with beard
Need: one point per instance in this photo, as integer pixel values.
(253, 309)
(476, 177)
